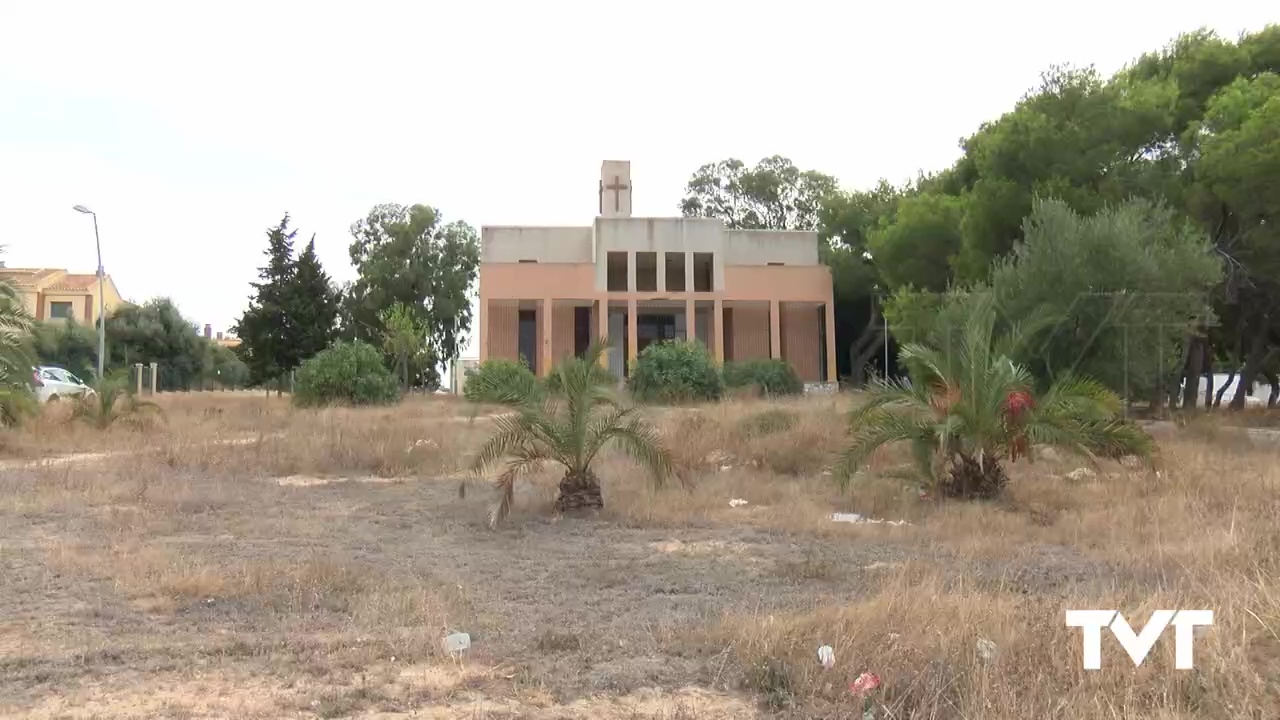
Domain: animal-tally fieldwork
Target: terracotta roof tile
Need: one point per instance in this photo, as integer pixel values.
(27, 276)
(74, 282)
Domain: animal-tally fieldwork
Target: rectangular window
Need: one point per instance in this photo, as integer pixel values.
(528, 261)
(646, 272)
(675, 272)
(617, 271)
(776, 264)
(60, 310)
(703, 272)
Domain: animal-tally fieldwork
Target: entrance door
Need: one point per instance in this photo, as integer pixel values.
(654, 328)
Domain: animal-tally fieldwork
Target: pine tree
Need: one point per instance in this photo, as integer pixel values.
(267, 330)
(313, 303)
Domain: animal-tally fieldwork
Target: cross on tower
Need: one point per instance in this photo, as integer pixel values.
(617, 187)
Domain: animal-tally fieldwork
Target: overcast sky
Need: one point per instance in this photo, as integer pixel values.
(191, 131)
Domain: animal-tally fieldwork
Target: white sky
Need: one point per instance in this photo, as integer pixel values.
(191, 131)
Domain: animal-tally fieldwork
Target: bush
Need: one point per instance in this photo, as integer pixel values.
(348, 373)
(499, 381)
(676, 372)
(773, 377)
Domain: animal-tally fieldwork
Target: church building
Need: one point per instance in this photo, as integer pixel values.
(547, 292)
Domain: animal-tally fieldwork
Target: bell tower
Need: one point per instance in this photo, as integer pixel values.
(615, 189)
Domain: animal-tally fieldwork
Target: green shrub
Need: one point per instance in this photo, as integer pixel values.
(349, 373)
(773, 377)
(499, 381)
(676, 372)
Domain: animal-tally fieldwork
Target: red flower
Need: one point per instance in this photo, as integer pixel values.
(1018, 402)
(865, 683)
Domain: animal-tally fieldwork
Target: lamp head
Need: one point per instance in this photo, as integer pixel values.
(83, 209)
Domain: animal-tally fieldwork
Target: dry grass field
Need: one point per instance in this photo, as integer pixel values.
(238, 558)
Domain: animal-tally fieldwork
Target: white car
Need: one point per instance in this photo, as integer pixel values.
(52, 383)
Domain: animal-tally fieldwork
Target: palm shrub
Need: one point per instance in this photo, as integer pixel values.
(674, 372)
(112, 400)
(967, 408)
(569, 429)
(16, 399)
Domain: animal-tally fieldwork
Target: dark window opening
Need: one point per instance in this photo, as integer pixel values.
(703, 272)
(581, 330)
(528, 340)
(617, 271)
(528, 261)
(728, 335)
(60, 310)
(822, 344)
(646, 272)
(776, 264)
(675, 272)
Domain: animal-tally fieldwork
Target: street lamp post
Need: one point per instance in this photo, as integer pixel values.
(102, 318)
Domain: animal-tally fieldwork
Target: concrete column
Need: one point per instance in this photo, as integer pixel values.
(688, 272)
(602, 328)
(631, 271)
(830, 317)
(717, 330)
(775, 330)
(137, 368)
(690, 320)
(544, 367)
(632, 339)
(153, 378)
(662, 271)
(482, 328)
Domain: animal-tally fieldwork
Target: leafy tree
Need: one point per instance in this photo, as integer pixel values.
(919, 246)
(1238, 175)
(224, 368)
(1125, 285)
(773, 195)
(66, 344)
(405, 339)
(968, 408)
(16, 400)
(569, 429)
(156, 332)
(847, 221)
(314, 303)
(405, 255)
(269, 335)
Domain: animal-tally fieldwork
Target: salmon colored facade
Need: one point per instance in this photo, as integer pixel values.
(547, 292)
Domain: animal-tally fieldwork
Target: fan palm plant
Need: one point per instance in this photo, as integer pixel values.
(967, 407)
(569, 428)
(16, 399)
(111, 400)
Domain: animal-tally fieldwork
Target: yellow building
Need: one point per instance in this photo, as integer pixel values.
(52, 294)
